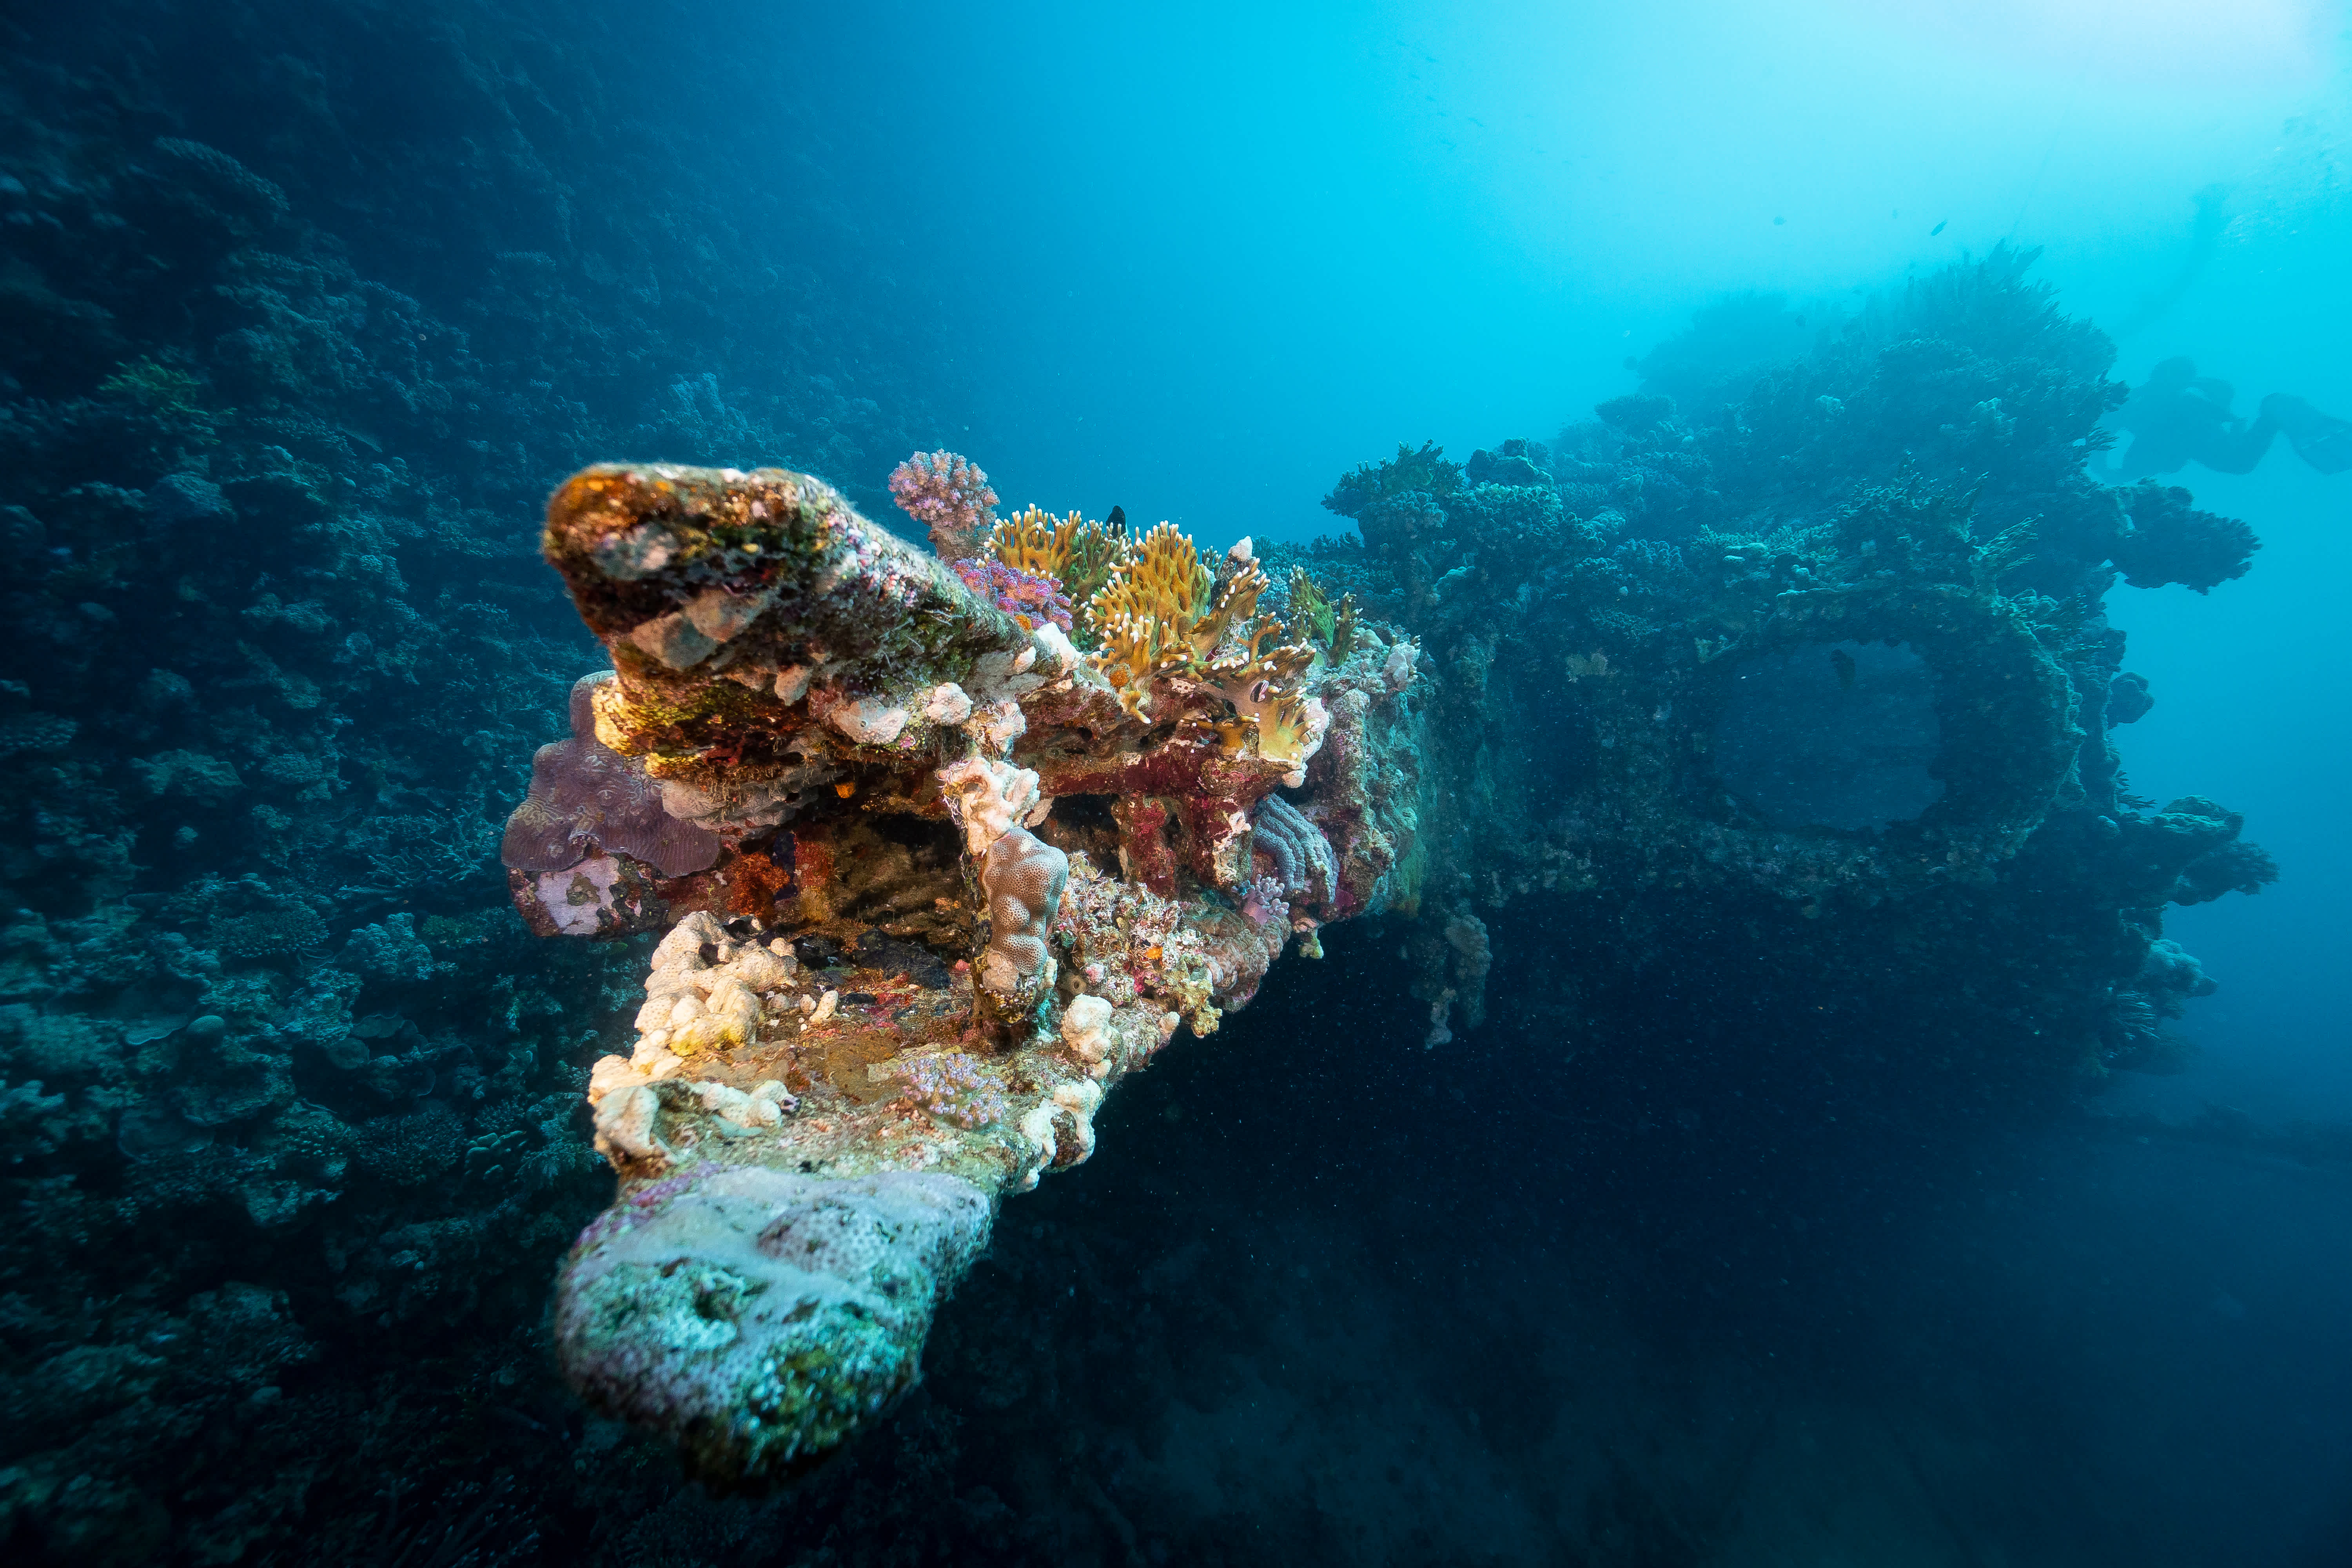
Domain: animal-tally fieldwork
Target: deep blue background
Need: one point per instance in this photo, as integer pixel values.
(1208, 256)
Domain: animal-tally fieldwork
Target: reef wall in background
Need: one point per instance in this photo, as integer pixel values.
(1811, 656)
(303, 309)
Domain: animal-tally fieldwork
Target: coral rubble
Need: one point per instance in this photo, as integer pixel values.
(832, 1086)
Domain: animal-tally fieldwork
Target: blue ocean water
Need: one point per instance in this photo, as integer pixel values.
(304, 309)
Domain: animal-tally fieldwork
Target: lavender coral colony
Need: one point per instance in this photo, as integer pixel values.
(948, 843)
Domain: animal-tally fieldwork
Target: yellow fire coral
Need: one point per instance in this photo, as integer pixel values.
(1162, 611)
(1076, 552)
(1146, 613)
(1236, 602)
(1036, 541)
(1291, 729)
(1264, 686)
(1250, 662)
(1332, 622)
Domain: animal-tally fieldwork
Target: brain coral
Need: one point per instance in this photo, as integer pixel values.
(585, 796)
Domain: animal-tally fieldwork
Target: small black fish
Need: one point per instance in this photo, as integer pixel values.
(1937, 229)
(1842, 662)
(1116, 521)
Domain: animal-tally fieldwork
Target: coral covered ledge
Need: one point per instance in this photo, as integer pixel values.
(944, 848)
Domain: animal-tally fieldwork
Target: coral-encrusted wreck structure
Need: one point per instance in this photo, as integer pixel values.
(1767, 719)
(935, 876)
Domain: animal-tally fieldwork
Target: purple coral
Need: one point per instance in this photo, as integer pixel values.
(1020, 593)
(585, 796)
(948, 495)
(949, 1088)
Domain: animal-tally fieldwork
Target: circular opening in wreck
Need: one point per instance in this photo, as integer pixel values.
(1839, 735)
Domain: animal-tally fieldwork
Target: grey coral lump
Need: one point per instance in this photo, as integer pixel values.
(1023, 877)
(760, 1315)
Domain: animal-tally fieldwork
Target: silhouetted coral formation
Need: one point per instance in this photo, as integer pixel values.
(1610, 635)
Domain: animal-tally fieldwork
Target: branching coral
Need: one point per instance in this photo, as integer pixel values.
(1163, 612)
(1329, 622)
(948, 495)
(1145, 615)
(1264, 686)
(1077, 552)
(1425, 471)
